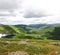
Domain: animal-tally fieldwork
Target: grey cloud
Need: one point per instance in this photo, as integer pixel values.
(8, 4)
(34, 14)
(8, 15)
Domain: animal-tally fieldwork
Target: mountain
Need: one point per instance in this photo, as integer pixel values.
(10, 30)
(37, 25)
(44, 29)
(41, 25)
(51, 31)
(34, 25)
(31, 25)
(25, 28)
(36, 28)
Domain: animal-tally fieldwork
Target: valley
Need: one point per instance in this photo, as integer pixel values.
(26, 40)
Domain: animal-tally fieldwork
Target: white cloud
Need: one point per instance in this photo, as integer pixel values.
(30, 11)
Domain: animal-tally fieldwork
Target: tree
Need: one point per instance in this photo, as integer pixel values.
(55, 34)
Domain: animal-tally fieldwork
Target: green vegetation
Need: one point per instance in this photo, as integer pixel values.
(31, 46)
(10, 30)
(50, 32)
(25, 32)
(33, 41)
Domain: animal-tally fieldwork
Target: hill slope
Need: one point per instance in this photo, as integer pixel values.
(8, 29)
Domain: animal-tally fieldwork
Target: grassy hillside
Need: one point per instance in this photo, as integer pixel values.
(18, 32)
(27, 42)
(47, 31)
(44, 29)
(38, 28)
(29, 47)
(10, 30)
(24, 31)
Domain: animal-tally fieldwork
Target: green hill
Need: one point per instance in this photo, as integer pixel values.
(50, 32)
(10, 30)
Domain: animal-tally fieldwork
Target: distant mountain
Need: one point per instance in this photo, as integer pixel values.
(34, 25)
(37, 25)
(41, 25)
(31, 26)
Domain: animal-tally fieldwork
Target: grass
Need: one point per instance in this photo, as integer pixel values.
(31, 46)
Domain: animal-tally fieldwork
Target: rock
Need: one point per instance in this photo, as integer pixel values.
(18, 53)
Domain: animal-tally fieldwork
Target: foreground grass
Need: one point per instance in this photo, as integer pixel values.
(31, 46)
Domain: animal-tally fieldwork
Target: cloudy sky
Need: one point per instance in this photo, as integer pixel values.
(29, 11)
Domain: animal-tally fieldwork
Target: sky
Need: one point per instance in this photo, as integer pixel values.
(29, 12)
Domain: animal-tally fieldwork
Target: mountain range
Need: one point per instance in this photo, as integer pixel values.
(30, 31)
